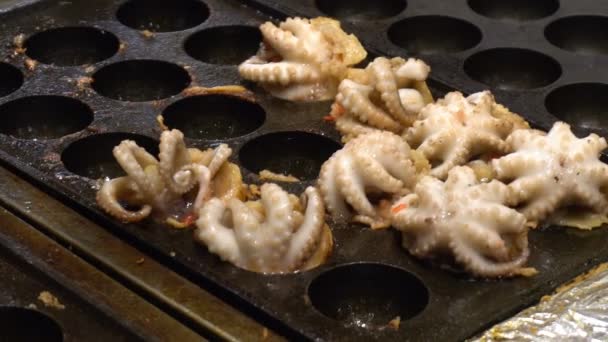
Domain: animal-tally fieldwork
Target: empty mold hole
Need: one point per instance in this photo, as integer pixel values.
(24, 325)
(213, 117)
(356, 10)
(299, 154)
(228, 45)
(92, 156)
(512, 68)
(367, 294)
(587, 35)
(418, 35)
(516, 10)
(11, 79)
(162, 15)
(584, 105)
(71, 46)
(44, 117)
(140, 80)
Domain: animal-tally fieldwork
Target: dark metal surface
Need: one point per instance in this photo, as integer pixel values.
(134, 268)
(91, 307)
(457, 306)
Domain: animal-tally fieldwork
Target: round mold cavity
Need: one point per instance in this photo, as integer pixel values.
(418, 35)
(516, 10)
(360, 10)
(585, 34)
(11, 79)
(92, 156)
(140, 80)
(584, 105)
(299, 154)
(66, 46)
(162, 15)
(224, 45)
(512, 68)
(214, 117)
(25, 325)
(368, 295)
(44, 117)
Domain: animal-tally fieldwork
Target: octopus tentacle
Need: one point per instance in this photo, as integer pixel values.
(303, 241)
(220, 156)
(115, 190)
(134, 160)
(283, 73)
(220, 240)
(174, 162)
(386, 85)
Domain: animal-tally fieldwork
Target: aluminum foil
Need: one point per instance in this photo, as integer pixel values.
(577, 312)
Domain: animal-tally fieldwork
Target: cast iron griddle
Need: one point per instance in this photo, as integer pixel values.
(64, 129)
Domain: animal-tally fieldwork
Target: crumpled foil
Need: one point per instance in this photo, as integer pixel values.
(578, 311)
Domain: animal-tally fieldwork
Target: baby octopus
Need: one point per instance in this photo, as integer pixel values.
(465, 219)
(387, 95)
(455, 129)
(371, 168)
(158, 185)
(272, 235)
(551, 170)
(302, 59)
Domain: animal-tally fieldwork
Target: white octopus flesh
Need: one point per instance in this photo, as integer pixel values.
(387, 95)
(378, 164)
(552, 170)
(152, 184)
(455, 129)
(270, 237)
(302, 59)
(468, 220)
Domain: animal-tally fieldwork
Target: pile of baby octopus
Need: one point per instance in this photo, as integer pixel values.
(462, 178)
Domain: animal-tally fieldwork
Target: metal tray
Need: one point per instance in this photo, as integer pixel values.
(64, 144)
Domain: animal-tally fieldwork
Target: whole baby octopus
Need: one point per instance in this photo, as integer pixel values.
(303, 59)
(277, 234)
(552, 170)
(467, 220)
(387, 95)
(359, 180)
(159, 185)
(455, 129)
